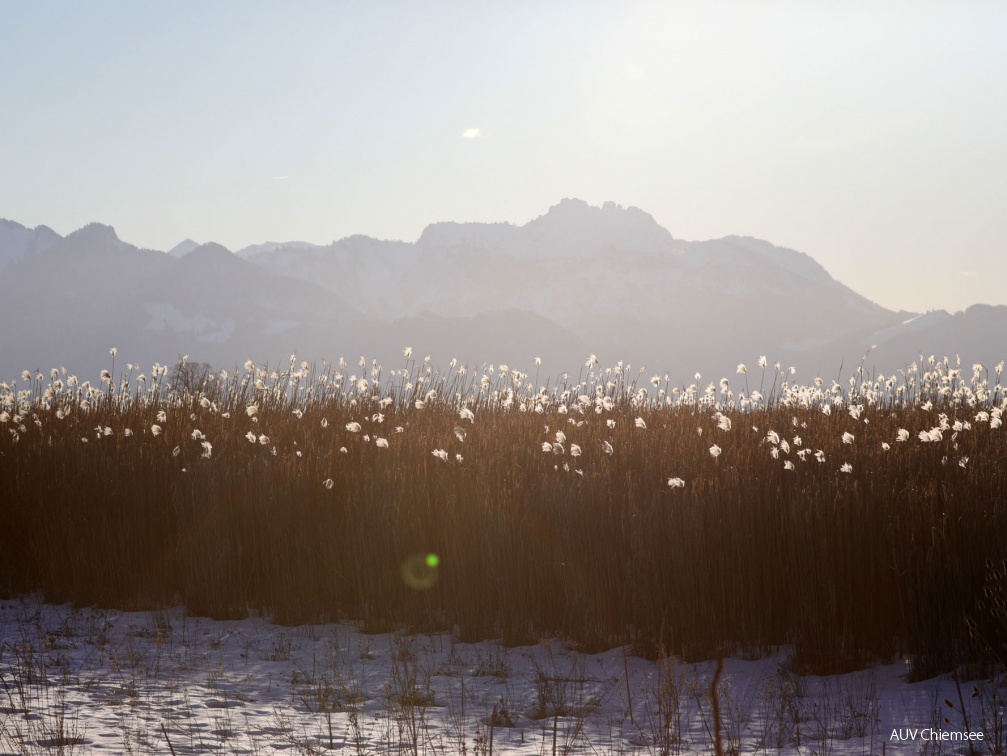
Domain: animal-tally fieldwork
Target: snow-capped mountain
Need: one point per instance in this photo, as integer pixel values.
(577, 280)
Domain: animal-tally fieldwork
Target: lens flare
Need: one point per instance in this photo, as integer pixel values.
(419, 571)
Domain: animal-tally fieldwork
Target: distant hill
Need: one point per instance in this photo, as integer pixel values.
(577, 280)
(183, 248)
(18, 242)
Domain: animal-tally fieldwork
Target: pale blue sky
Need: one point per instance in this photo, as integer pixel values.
(872, 136)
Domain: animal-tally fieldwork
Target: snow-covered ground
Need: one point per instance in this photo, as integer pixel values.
(95, 681)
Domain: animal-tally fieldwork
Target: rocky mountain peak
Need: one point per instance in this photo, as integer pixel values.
(97, 233)
(575, 223)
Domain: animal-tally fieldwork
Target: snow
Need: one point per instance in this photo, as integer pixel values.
(914, 324)
(106, 681)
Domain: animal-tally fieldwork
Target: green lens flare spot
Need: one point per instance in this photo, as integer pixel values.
(419, 571)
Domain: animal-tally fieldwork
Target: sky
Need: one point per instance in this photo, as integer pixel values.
(870, 135)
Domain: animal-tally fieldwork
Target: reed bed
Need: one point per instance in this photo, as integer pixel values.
(854, 521)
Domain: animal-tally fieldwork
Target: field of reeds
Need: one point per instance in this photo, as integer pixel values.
(853, 522)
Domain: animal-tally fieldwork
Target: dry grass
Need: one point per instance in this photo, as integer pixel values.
(297, 510)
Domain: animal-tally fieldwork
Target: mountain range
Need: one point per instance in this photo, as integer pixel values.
(577, 280)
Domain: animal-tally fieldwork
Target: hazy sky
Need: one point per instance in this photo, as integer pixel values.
(872, 136)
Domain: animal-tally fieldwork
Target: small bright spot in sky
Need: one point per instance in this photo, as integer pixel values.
(280, 178)
(472, 133)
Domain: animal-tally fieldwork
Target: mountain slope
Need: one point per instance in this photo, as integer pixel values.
(91, 291)
(577, 280)
(183, 248)
(611, 276)
(18, 242)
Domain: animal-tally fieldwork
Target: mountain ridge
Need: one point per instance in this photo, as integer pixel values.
(606, 278)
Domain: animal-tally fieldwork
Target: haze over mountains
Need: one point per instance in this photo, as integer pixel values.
(577, 280)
